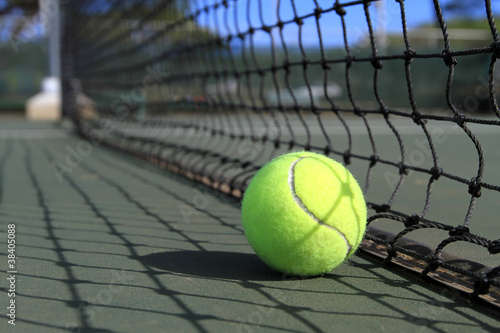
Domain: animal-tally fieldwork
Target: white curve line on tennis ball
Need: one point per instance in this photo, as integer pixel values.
(291, 183)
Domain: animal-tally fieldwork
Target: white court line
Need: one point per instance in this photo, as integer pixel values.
(380, 129)
(35, 134)
(333, 127)
(356, 127)
(356, 130)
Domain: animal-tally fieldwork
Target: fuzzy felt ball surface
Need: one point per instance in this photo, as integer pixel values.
(304, 214)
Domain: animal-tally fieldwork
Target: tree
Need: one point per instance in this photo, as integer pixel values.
(463, 7)
(21, 8)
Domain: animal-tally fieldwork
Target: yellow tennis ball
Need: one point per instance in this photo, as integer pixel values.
(304, 214)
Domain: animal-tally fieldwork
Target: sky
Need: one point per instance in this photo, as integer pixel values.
(418, 12)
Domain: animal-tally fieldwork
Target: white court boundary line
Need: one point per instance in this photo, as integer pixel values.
(378, 129)
(35, 134)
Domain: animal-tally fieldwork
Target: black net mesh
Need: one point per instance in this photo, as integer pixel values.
(214, 89)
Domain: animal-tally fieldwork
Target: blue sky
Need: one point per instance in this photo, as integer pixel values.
(417, 13)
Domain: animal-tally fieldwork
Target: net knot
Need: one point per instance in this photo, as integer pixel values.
(381, 208)
(412, 220)
(267, 29)
(286, 66)
(358, 112)
(298, 20)
(403, 169)
(496, 49)
(348, 60)
(482, 284)
(494, 247)
(409, 55)
(475, 187)
(305, 63)
(384, 110)
(376, 63)
(434, 262)
(459, 231)
(316, 110)
(436, 172)
(448, 58)
(460, 119)
(327, 150)
(373, 160)
(347, 157)
(339, 9)
(325, 65)
(318, 11)
(280, 24)
(251, 30)
(241, 36)
(391, 252)
(417, 118)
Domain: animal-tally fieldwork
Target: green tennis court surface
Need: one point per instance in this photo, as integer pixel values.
(109, 243)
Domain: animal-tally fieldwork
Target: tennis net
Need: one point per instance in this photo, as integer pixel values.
(213, 90)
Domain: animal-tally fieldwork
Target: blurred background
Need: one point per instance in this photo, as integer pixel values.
(25, 33)
(24, 53)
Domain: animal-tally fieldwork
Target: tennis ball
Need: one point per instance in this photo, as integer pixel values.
(304, 214)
